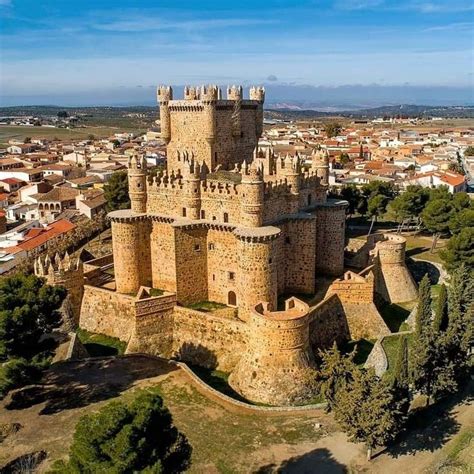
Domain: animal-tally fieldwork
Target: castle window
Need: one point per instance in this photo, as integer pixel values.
(184, 212)
(213, 218)
(213, 277)
(309, 199)
(215, 155)
(231, 276)
(269, 260)
(287, 240)
(203, 214)
(139, 185)
(226, 217)
(197, 248)
(211, 246)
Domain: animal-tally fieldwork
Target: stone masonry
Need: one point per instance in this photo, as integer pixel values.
(233, 224)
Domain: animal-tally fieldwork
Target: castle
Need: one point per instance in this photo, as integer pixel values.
(232, 224)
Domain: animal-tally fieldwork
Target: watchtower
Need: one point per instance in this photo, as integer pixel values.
(137, 173)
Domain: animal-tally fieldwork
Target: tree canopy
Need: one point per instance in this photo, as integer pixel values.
(116, 192)
(125, 438)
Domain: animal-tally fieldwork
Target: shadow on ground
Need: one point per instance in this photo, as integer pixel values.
(318, 461)
(430, 428)
(80, 383)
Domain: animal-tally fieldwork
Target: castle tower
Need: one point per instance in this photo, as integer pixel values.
(258, 94)
(164, 95)
(64, 272)
(320, 164)
(235, 93)
(137, 174)
(192, 188)
(251, 190)
(257, 277)
(330, 236)
(291, 171)
(278, 368)
(394, 282)
(131, 250)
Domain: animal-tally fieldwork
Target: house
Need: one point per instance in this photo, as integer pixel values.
(32, 189)
(78, 158)
(9, 163)
(11, 184)
(28, 175)
(3, 200)
(28, 240)
(455, 182)
(54, 202)
(22, 211)
(90, 202)
(84, 182)
(21, 149)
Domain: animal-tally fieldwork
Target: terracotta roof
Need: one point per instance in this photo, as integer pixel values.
(59, 194)
(11, 180)
(37, 237)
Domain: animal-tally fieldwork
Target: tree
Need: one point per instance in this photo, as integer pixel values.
(469, 151)
(401, 382)
(460, 249)
(126, 438)
(408, 205)
(462, 201)
(62, 114)
(344, 158)
(377, 205)
(116, 192)
(440, 322)
(365, 410)
(352, 195)
(335, 372)
(457, 168)
(91, 137)
(436, 217)
(461, 219)
(333, 129)
(27, 140)
(421, 360)
(29, 310)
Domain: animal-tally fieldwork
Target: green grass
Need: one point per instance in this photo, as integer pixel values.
(461, 443)
(390, 345)
(362, 350)
(420, 247)
(395, 315)
(206, 306)
(155, 292)
(217, 380)
(100, 345)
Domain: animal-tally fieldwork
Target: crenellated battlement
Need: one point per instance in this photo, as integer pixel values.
(56, 267)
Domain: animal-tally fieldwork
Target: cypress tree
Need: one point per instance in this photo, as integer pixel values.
(440, 322)
(422, 354)
(400, 383)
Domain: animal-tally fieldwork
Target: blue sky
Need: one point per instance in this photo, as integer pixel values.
(66, 47)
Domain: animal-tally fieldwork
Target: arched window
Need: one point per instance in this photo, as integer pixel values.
(232, 298)
(203, 214)
(226, 217)
(309, 199)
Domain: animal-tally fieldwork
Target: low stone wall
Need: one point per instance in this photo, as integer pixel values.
(106, 260)
(107, 312)
(208, 340)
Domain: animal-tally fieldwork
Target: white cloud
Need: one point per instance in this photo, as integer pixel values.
(5, 3)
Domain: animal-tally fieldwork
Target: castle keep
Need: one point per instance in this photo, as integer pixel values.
(229, 223)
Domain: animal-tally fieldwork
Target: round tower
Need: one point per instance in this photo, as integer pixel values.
(208, 96)
(137, 174)
(257, 278)
(64, 272)
(251, 196)
(320, 164)
(394, 282)
(164, 95)
(258, 94)
(192, 189)
(278, 367)
(131, 250)
(330, 236)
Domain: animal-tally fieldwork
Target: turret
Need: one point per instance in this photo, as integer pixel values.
(66, 272)
(137, 174)
(164, 95)
(208, 96)
(190, 93)
(192, 188)
(320, 164)
(258, 94)
(251, 190)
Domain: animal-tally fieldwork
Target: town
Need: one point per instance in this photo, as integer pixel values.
(50, 186)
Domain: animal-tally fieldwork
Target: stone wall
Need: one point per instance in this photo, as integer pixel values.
(208, 340)
(107, 312)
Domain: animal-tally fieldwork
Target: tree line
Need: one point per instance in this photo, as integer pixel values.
(437, 361)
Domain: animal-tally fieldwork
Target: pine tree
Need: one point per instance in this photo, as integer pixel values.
(421, 359)
(364, 410)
